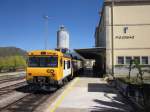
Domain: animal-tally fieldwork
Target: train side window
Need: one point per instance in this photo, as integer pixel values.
(64, 65)
(68, 64)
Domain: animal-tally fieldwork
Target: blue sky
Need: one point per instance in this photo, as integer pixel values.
(22, 25)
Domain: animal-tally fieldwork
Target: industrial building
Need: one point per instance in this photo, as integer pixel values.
(124, 32)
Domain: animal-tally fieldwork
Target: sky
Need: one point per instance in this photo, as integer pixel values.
(22, 24)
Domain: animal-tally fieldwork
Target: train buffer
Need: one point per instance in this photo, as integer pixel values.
(90, 95)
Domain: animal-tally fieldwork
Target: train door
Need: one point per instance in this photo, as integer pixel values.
(67, 68)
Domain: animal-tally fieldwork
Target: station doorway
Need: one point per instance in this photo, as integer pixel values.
(94, 61)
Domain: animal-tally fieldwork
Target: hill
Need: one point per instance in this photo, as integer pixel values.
(12, 58)
(11, 51)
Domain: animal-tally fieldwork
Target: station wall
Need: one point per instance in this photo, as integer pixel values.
(131, 36)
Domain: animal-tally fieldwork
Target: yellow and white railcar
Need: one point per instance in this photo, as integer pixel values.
(47, 67)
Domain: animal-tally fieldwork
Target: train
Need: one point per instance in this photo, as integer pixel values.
(46, 68)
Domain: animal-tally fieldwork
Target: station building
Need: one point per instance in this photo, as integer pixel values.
(124, 32)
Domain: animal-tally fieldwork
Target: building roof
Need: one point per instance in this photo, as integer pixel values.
(127, 1)
(91, 53)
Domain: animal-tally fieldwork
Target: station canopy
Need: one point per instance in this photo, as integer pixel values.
(91, 53)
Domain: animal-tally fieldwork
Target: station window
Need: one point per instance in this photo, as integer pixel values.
(128, 59)
(137, 58)
(68, 64)
(120, 60)
(145, 60)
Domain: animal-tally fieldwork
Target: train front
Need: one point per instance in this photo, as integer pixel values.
(43, 68)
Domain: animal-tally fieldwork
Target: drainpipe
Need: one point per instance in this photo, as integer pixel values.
(112, 39)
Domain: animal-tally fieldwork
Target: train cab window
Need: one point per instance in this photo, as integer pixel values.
(52, 61)
(43, 61)
(33, 61)
(68, 64)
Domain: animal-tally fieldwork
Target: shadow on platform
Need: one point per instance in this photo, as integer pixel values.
(109, 101)
(97, 87)
(88, 72)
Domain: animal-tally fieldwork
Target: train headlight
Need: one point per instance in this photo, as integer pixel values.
(30, 74)
(53, 74)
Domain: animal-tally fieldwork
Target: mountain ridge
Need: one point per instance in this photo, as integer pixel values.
(12, 51)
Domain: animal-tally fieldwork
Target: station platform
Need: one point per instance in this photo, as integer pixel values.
(90, 95)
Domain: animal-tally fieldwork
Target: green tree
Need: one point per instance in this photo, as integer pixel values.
(11, 63)
(2, 63)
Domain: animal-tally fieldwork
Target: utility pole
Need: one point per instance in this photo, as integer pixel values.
(112, 36)
(46, 30)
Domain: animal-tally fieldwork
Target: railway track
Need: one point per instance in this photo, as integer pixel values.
(7, 106)
(27, 103)
(11, 79)
(10, 88)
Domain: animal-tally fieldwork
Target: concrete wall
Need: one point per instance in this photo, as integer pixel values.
(101, 33)
(131, 26)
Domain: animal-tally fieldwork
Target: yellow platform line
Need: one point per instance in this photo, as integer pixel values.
(64, 94)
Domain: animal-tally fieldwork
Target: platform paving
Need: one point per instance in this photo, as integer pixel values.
(90, 95)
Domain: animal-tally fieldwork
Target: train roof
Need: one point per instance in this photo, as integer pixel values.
(52, 52)
(45, 52)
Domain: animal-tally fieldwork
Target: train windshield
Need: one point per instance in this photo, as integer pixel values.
(50, 61)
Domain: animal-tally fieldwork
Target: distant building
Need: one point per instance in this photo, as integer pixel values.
(124, 30)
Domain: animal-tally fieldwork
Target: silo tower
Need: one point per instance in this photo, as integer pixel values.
(62, 39)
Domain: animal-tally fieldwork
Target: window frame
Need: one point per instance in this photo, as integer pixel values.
(118, 60)
(64, 64)
(142, 60)
(39, 62)
(126, 59)
(68, 64)
(138, 57)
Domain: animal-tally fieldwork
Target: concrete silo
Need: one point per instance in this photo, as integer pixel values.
(62, 39)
